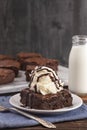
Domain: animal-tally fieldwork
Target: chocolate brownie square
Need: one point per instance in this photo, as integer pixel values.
(33, 61)
(45, 102)
(52, 63)
(11, 64)
(24, 55)
(6, 76)
(24, 94)
(5, 57)
(29, 68)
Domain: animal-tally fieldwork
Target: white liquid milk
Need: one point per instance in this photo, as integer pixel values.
(78, 69)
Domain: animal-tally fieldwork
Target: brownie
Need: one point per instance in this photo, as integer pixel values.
(6, 76)
(5, 57)
(24, 55)
(46, 102)
(52, 63)
(24, 96)
(31, 63)
(45, 90)
(35, 61)
(11, 64)
(29, 68)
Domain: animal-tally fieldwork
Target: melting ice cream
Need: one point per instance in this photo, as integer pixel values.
(45, 81)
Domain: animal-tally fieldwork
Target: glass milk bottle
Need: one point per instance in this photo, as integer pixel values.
(78, 65)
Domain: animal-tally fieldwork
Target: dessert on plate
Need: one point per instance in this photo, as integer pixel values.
(11, 64)
(45, 91)
(6, 76)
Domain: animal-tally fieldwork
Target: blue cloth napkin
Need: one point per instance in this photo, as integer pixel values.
(10, 120)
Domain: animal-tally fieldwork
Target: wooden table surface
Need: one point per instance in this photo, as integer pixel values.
(70, 125)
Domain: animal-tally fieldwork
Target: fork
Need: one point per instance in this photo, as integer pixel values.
(28, 115)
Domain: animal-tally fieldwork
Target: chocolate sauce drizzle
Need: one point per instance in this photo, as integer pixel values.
(53, 78)
(42, 76)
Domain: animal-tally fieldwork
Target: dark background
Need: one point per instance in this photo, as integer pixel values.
(43, 26)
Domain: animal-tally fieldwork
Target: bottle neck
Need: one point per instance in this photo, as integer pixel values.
(79, 40)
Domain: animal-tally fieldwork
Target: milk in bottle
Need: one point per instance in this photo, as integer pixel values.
(78, 65)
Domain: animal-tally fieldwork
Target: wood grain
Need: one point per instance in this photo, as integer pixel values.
(44, 26)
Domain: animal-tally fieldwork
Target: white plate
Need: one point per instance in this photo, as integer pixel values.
(20, 82)
(15, 86)
(15, 101)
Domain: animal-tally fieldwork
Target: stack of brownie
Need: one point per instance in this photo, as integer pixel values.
(41, 95)
(29, 61)
(9, 69)
(46, 102)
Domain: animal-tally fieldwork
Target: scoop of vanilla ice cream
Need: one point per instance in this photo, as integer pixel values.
(45, 81)
(46, 86)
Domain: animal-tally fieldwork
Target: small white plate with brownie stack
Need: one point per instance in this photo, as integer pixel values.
(76, 103)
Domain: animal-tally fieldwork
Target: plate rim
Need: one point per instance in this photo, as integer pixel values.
(65, 109)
